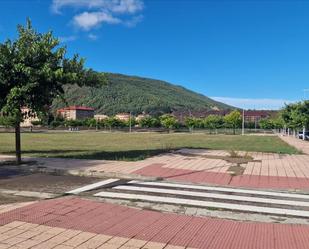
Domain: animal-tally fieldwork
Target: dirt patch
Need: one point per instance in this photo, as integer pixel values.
(236, 170)
(8, 199)
(46, 182)
(233, 158)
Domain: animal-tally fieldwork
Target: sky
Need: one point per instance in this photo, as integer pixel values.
(251, 54)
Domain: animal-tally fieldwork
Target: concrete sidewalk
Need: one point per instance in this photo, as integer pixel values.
(266, 170)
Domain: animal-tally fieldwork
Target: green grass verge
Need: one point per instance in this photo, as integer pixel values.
(134, 146)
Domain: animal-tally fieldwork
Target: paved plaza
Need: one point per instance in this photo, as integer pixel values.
(264, 170)
(95, 221)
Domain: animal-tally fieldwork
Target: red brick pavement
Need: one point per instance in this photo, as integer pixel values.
(172, 229)
(250, 181)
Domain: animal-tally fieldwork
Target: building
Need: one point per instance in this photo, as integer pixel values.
(141, 116)
(28, 117)
(100, 117)
(123, 116)
(76, 112)
(182, 115)
(251, 116)
(254, 116)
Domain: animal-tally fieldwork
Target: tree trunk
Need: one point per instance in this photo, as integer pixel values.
(17, 143)
(304, 131)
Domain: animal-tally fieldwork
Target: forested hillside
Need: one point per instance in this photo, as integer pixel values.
(123, 93)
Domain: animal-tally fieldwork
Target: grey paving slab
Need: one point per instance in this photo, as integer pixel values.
(92, 186)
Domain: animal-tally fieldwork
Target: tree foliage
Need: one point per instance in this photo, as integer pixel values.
(168, 121)
(213, 122)
(33, 71)
(127, 94)
(233, 120)
(296, 115)
(149, 122)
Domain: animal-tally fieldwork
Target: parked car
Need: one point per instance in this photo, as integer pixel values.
(301, 136)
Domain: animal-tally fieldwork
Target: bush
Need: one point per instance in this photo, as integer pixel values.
(55, 124)
(36, 122)
(7, 121)
(149, 122)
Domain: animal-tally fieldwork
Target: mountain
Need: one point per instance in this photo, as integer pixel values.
(123, 93)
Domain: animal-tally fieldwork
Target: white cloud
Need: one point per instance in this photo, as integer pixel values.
(117, 6)
(57, 5)
(92, 37)
(134, 21)
(88, 20)
(96, 12)
(67, 38)
(126, 6)
(249, 103)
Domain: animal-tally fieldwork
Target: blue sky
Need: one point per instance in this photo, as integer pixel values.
(252, 54)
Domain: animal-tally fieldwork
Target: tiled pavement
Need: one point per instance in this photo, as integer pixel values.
(79, 223)
(8, 207)
(268, 170)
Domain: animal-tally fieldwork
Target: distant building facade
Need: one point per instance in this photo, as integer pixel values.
(123, 116)
(28, 117)
(100, 117)
(141, 116)
(76, 112)
(254, 116)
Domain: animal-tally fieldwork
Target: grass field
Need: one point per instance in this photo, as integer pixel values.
(134, 146)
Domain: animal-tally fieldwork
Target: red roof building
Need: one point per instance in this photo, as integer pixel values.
(76, 112)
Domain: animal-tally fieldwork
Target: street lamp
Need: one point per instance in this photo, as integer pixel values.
(243, 122)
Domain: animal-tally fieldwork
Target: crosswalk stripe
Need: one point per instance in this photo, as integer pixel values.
(213, 195)
(91, 186)
(205, 204)
(223, 189)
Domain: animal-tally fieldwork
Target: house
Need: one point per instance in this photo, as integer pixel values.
(123, 116)
(100, 117)
(141, 116)
(28, 117)
(76, 112)
(254, 116)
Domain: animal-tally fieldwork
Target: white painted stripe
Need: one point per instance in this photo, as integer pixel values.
(205, 204)
(222, 189)
(214, 196)
(91, 186)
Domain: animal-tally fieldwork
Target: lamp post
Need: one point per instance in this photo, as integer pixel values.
(130, 123)
(243, 122)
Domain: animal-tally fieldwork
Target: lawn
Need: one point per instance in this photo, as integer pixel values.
(134, 146)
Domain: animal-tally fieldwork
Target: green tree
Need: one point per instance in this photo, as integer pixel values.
(278, 122)
(288, 115)
(168, 121)
(301, 114)
(213, 122)
(33, 71)
(233, 120)
(192, 123)
(149, 122)
(266, 123)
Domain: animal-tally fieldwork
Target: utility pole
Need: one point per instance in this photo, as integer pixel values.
(243, 122)
(130, 123)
